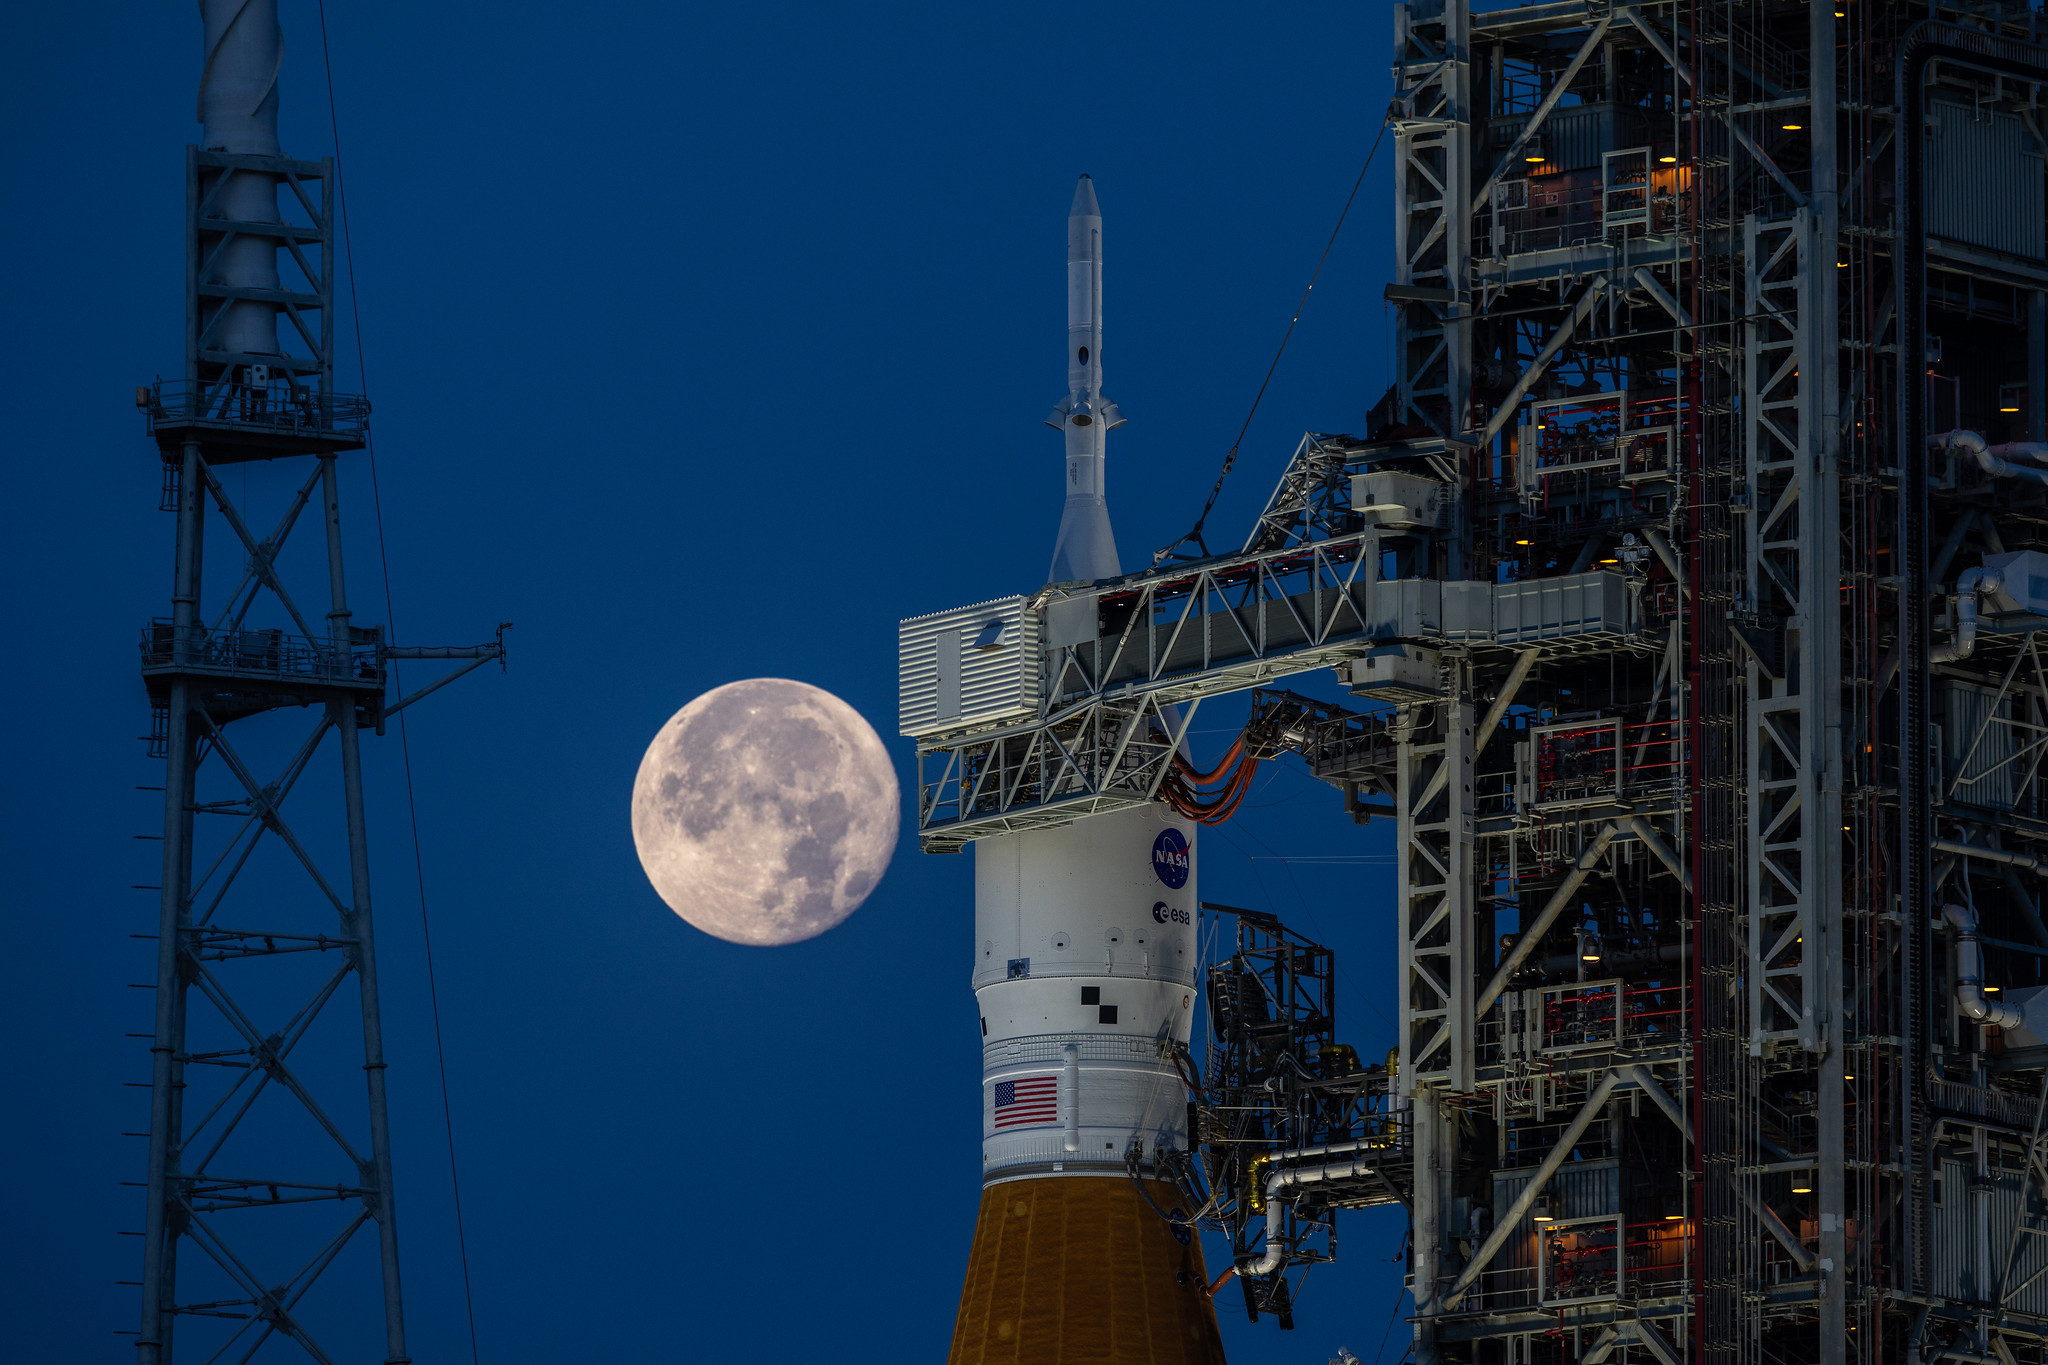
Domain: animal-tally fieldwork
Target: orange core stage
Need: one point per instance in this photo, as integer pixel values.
(1078, 1271)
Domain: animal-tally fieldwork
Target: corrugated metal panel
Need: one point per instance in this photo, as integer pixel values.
(1984, 180)
(988, 683)
(1468, 611)
(1410, 608)
(1957, 1246)
(1556, 608)
(1575, 137)
(1580, 1189)
(2006, 1203)
(1981, 762)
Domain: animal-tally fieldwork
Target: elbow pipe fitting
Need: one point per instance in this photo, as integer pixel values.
(1275, 1250)
(1992, 459)
(1962, 922)
(1973, 582)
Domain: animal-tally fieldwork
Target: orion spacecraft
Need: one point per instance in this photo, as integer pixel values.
(1085, 978)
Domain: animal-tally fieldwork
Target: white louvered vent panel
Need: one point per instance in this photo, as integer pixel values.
(948, 679)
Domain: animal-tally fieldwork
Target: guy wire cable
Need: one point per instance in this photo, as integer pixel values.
(404, 746)
(1230, 460)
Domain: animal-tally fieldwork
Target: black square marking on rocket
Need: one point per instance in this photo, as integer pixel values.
(1108, 1014)
(1091, 995)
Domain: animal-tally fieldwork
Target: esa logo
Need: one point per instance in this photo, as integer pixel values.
(1166, 914)
(1170, 858)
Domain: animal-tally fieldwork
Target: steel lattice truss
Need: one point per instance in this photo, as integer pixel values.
(1120, 701)
(266, 944)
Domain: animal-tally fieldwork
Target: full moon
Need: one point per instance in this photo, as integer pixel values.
(765, 811)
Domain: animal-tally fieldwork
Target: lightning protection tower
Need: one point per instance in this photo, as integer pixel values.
(262, 1170)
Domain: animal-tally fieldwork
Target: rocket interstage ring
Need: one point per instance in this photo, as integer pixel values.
(1114, 1092)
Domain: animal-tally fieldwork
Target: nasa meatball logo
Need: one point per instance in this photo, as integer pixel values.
(1170, 858)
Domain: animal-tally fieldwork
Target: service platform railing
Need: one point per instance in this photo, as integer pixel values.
(261, 655)
(276, 404)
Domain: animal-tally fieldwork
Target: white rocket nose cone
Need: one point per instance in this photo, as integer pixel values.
(1084, 201)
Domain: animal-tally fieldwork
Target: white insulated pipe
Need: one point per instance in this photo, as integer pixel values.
(238, 111)
(1972, 582)
(1275, 1249)
(1990, 855)
(1969, 964)
(1993, 459)
(1071, 1056)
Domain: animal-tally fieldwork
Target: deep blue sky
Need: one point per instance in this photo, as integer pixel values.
(705, 344)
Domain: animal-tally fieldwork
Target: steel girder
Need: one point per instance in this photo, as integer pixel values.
(1121, 702)
(1432, 122)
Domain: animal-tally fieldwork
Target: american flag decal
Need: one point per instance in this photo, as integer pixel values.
(1035, 1099)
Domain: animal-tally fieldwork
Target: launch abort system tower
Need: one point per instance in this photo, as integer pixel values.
(1694, 569)
(266, 909)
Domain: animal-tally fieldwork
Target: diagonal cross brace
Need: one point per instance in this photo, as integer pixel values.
(259, 557)
(268, 808)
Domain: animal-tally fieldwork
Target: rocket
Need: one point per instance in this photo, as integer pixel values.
(1086, 548)
(1085, 963)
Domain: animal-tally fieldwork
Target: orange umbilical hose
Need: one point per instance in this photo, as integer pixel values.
(1187, 769)
(1182, 789)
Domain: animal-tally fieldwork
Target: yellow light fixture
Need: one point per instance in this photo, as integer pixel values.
(1521, 542)
(1543, 1212)
(1841, 265)
(1667, 160)
(1674, 1218)
(1848, 1075)
(1589, 957)
(1989, 989)
(1802, 1189)
(1610, 561)
(2008, 409)
(1793, 127)
(1534, 158)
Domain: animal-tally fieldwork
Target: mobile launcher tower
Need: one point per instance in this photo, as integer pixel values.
(270, 1214)
(1693, 566)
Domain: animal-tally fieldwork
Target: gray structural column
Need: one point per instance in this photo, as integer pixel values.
(1434, 854)
(160, 1228)
(1821, 679)
(1433, 790)
(1432, 124)
(343, 713)
(1435, 1154)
